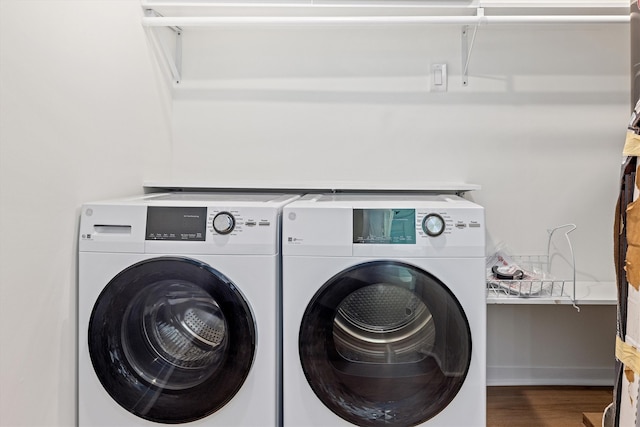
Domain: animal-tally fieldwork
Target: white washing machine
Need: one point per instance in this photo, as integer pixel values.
(179, 310)
(384, 311)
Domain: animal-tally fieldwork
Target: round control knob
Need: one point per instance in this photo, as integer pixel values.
(433, 225)
(223, 223)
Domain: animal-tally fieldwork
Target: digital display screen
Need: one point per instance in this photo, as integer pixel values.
(384, 226)
(176, 223)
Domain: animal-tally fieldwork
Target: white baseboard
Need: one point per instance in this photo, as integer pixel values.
(569, 376)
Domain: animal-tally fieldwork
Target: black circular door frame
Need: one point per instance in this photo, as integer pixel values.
(399, 394)
(110, 349)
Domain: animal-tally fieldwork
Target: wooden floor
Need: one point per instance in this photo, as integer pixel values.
(544, 406)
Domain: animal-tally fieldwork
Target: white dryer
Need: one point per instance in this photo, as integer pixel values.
(384, 311)
(178, 310)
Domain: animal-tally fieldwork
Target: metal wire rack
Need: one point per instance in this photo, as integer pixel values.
(538, 281)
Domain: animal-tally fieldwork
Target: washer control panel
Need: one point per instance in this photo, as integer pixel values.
(203, 224)
(223, 223)
(237, 221)
(185, 223)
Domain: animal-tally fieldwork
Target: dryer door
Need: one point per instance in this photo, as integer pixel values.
(385, 343)
(171, 339)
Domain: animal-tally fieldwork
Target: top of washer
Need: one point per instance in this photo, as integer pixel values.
(200, 198)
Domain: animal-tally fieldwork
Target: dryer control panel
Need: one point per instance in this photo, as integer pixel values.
(347, 225)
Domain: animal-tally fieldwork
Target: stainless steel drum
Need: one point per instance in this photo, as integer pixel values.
(183, 329)
(383, 323)
(185, 332)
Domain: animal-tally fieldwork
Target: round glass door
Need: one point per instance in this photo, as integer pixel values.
(385, 343)
(171, 339)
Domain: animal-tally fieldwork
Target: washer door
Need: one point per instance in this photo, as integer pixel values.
(171, 339)
(385, 343)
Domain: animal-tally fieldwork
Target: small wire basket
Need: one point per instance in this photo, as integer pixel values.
(537, 280)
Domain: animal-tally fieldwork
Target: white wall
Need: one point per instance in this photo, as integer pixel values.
(540, 126)
(84, 115)
(81, 118)
(550, 345)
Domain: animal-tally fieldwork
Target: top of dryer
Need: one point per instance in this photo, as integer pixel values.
(403, 225)
(185, 223)
(355, 200)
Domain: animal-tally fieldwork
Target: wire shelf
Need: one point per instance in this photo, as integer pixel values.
(537, 280)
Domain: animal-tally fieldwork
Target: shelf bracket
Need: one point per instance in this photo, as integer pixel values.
(467, 47)
(465, 55)
(173, 62)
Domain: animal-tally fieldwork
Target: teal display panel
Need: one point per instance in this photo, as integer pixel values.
(384, 226)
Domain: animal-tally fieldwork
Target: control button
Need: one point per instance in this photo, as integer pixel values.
(250, 223)
(433, 225)
(223, 223)
(264, 223)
